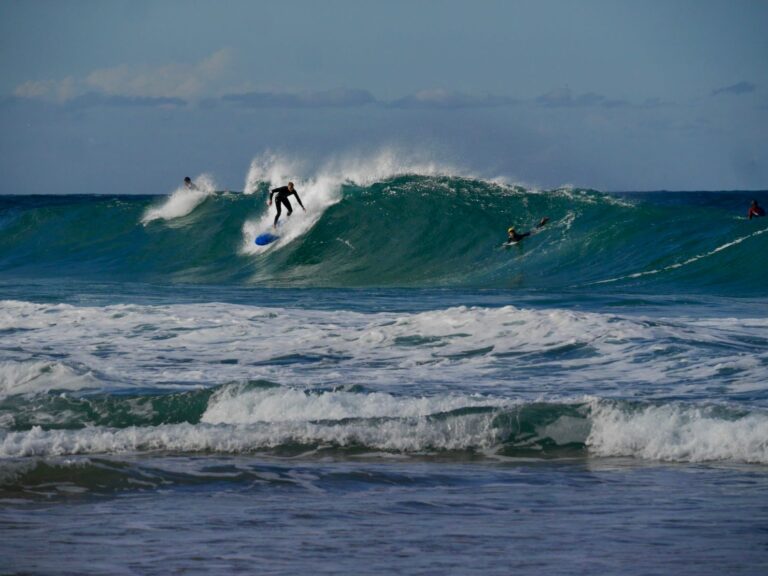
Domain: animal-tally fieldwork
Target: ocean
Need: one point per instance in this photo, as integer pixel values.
(387, 388)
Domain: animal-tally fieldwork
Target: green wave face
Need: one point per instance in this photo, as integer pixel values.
(406, 231)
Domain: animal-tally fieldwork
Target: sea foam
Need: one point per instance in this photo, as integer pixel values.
(679, 433)
(474, 349)
(35, 376)
(182, 201)
(675, 432)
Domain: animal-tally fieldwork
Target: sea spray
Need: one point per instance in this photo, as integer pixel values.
(182, 201)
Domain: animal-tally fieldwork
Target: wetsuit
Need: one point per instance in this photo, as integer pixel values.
(756, 211)
(281, 197)
(515, 237)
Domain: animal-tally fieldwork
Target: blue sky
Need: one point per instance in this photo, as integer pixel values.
(130, 96)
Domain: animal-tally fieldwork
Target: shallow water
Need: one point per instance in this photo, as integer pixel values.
(376, 515)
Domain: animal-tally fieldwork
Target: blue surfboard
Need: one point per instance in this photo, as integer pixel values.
(266, 238)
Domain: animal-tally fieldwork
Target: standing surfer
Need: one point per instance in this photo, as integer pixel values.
(282, 194)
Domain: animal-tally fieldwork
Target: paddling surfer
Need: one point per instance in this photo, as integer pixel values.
(513, 237)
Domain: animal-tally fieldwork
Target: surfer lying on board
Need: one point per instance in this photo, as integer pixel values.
(282, 194)
(755, 210)
(513, 236)
(189, 184)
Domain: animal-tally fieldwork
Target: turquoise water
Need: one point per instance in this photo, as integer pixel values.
(386, 388)
(409, 231)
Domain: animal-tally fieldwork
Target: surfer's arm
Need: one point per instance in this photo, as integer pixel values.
(273, 192)
(299, 200)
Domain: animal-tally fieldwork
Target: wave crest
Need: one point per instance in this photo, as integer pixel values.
(265, 417)
(182, 201)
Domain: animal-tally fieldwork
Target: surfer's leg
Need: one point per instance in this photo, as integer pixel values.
(277, 216)
(288, 206)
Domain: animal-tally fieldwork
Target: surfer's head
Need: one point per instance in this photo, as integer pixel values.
(187, 179)
(510, 230)
(290, 185)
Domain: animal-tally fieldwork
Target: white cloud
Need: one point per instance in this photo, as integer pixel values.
(173, 80)
(58, 90)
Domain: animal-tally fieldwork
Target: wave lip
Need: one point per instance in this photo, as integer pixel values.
(679, 433)
(233, 405)
(35, 376)
(181, 202)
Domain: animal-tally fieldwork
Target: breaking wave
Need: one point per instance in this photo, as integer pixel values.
(386, 224)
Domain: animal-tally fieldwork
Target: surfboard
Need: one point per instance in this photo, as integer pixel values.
(266, 238)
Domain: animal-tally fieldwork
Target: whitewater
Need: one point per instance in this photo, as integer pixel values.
(387, 387)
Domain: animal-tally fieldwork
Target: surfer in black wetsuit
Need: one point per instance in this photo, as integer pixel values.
(189, 184)
(514, 237)
(282, 194)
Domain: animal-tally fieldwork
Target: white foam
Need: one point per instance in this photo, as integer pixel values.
(364, 170)
(271, 168)
(317, 194)
(471, 349)
(182, 201)
(679, 433)
(233, 406)
(407, 435)
(33, 376)
(669, 432)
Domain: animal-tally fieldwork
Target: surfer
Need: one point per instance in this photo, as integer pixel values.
(189, 184)
(513, 237)
(282, 194)
(755, 210)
